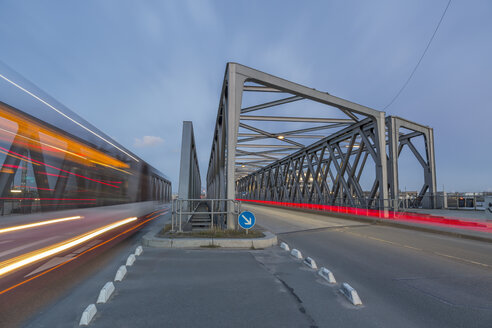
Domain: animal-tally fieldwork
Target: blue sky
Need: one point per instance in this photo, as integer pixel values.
(137, 69)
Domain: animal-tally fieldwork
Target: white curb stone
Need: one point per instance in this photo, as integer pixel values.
(131, 259)
(138, 251)
(351, 294)
(296, 253)
(284, 246)
(120, 274)
(310, 263)
(327, 275)
(87, 315)
(105, 292)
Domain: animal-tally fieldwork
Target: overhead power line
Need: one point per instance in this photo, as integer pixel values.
(421, 57)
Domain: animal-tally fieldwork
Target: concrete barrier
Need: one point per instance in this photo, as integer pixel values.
(106, 292)
(351, 294)
(310, 263)
(296, 253)
(120, 274)
(284, 246)
(327, 275)
(130, 260)
(87, 315)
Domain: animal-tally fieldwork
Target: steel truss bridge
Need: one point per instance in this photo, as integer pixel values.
(337, 153)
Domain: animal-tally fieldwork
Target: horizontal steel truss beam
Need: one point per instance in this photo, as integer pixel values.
(295, 119)
(255, 136)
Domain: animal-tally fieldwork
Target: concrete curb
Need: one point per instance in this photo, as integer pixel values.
(351, 294)
(120, 274)
(131, 259)
(89, 313)
(138, 251)
(106, 292)
(327, 275)
(152, 240)
(284, 246)
(310, 263)
(296, 253)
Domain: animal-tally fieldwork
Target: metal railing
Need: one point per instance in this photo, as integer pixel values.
(217, 208)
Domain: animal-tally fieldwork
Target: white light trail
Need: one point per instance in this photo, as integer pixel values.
(66, 116)
(37, 224)
(26, 259)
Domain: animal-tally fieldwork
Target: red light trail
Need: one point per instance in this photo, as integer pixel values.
(385, 215)
(56, 168)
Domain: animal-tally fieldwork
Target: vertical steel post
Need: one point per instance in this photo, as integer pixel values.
(172, 215)
(382, 165)
(432, 166)
(393, 138)
(234, 98)
(180, 214)
(212, 215)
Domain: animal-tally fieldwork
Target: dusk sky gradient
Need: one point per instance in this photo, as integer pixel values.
(137, 69)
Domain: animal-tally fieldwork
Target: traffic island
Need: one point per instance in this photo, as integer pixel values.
(209, 238)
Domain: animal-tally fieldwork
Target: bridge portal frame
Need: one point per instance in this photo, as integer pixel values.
(397, 140)
(221, 174)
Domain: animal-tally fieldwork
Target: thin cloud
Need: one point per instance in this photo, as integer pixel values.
(148, 141)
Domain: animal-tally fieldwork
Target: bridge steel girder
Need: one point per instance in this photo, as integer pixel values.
(223, 172)
(326, 173)
(189, 172)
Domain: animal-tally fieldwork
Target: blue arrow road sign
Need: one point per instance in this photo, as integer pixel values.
(246, 220)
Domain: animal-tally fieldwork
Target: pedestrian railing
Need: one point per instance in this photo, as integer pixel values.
(218, 209)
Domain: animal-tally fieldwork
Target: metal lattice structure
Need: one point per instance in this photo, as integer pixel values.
(273, 157)
(321, 173)
(329, 171)
(397, 140)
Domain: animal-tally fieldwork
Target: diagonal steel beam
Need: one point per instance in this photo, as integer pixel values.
(268, 134)
(271, 104)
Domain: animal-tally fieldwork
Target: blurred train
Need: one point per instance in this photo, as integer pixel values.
(52, 159)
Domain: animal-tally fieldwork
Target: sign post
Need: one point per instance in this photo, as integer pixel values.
(246, 220)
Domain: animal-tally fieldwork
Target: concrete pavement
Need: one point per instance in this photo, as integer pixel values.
(200, 288)
(415, 278)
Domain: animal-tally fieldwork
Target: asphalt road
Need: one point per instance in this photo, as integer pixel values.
(405, 278)
(14, 243)
(27, 291)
